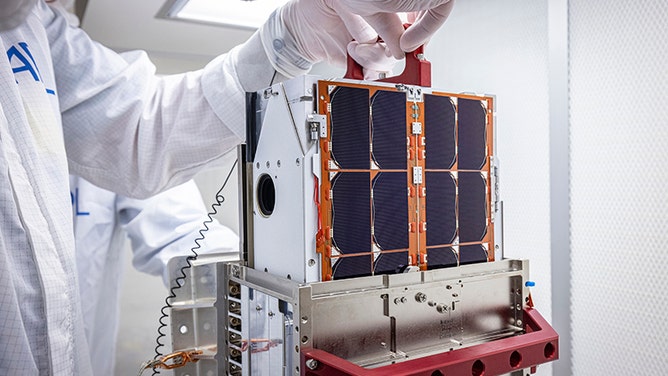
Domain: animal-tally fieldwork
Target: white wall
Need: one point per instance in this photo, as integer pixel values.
(501, 48)
(619, 202)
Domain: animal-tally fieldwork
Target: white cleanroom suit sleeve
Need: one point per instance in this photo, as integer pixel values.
(131, 132)
(167, 225)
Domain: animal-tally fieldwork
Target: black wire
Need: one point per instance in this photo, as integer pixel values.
(273, 78)
(180, 280)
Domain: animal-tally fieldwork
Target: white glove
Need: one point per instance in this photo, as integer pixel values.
(374, 58)
(304, 32)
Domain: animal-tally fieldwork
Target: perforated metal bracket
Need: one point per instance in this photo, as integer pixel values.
(317, 126)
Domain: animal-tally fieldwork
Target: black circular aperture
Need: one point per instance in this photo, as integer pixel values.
(266, 194)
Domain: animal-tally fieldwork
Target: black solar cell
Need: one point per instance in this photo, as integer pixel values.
(472, 206)
(442, 257)
(351, 212)
(471, 254)
(350, 127)
(441, 208)
(471, 136)
(349, 267)
(391, 263)
(388, 129)
(390, 210)
(439, 131)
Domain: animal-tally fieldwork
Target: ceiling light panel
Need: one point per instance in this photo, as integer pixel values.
(238, 13)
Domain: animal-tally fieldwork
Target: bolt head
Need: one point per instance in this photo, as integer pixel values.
(312, 364)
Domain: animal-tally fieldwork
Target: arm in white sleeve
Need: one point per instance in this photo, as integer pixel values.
(166, 226)
(134, 133)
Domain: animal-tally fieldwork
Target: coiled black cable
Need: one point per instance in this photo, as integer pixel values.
(180, 279)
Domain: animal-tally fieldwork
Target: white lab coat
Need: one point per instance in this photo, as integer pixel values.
(160, 228)
(123, 128)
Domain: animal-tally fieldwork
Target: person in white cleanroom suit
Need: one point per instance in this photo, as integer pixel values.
(68, 101)
(160, 228)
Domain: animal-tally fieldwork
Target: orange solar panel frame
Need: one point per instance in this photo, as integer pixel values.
(415, 152)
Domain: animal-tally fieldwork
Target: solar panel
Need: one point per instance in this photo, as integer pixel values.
(405, 180)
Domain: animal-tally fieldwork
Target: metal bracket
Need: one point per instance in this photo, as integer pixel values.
(317, 125)
(494, 186)
(414, 94)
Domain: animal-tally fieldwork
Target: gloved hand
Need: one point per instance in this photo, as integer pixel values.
(304, 32)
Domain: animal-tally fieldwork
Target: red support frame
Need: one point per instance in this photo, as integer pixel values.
(539, 344)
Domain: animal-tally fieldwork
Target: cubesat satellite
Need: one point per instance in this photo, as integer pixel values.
(372, 241)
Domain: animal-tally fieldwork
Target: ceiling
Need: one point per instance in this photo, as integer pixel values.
(174, 46)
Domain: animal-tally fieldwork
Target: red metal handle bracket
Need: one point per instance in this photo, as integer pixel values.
(416, 72)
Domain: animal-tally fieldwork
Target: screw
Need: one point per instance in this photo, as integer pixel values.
(442, 308)
(312, 364)
(420, 297)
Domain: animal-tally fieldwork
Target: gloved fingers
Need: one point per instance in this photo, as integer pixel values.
(360, 30)
(414, 16)
(371, 56)
(425, 26)
(390, 28)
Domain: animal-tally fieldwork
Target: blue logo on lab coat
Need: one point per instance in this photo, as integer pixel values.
(75, 203)
(25, 64)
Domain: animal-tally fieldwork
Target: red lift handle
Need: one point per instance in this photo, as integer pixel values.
(416, 72)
